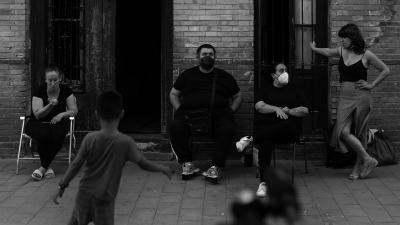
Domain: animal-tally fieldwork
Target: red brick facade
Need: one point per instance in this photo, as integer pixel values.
(14, 73)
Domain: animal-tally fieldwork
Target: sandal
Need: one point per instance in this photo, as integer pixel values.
(37, 175)
(368, 167)
(49, 173)
(353, 176)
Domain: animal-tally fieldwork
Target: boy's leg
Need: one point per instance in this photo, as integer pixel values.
(83, 209)
(103, 212)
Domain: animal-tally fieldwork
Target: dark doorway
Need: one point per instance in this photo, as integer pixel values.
(138, 64)
(283, 30)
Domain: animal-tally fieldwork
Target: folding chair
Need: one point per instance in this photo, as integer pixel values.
(25, 137)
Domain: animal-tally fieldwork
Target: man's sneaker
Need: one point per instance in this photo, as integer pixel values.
(212, 174)
(189, 170)
(262, 190)
(243, 143)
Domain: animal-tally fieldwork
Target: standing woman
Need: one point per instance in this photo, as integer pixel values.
(355, 102)
(52, 105)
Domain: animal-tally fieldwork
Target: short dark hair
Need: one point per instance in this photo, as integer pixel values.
(109, 105)
(53, 69)
(352, 32)
(205, 46)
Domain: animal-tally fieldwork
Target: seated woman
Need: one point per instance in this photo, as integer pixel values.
(278, 107)
(52, 105)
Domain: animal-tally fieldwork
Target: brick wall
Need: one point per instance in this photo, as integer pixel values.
(14, 80)
(379, 21)
(227, 25)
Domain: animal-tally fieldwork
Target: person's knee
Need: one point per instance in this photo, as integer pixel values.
(345, 134)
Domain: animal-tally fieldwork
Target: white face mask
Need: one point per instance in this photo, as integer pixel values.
(283, 79)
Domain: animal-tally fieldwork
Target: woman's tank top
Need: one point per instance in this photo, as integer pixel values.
(352, 73)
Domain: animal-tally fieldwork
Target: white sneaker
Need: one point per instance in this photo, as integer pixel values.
(262, 190)
(212, 174)
(189, 170)
(243, 143)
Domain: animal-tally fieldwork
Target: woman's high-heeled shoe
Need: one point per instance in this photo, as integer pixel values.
(353, 176)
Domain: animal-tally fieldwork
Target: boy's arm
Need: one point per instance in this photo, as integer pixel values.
(75, 166)
(72, 170)
(153, 167)
(135, 156)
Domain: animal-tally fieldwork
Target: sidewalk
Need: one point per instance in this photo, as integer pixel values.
(148, 198)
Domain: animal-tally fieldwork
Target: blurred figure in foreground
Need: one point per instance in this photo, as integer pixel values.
(281, 206)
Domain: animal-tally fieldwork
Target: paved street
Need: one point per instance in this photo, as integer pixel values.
(147, 198)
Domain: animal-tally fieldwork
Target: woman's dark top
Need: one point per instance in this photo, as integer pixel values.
(352, 73)
(41, 92)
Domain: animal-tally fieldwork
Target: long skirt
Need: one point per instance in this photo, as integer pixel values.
(354, 107)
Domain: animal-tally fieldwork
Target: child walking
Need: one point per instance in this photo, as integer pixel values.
(105, 153)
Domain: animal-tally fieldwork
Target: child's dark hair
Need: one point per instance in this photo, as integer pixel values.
(352, 32)
(109, 105)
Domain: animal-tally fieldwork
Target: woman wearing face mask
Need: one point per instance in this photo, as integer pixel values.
(354, 104)
(278, 106)
(52, 104)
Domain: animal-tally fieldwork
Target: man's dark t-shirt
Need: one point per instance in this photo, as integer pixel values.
(41, 92)
(288, 96)
(196, 87)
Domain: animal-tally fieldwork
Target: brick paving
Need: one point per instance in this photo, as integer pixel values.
(326, 195)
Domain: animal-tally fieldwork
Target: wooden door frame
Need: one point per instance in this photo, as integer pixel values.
(166, 62)
(38, 34)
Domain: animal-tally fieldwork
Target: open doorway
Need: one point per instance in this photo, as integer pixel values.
(138, 67)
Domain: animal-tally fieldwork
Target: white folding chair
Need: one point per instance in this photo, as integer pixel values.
(25, 137)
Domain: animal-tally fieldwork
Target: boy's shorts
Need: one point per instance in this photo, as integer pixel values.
(90, 209)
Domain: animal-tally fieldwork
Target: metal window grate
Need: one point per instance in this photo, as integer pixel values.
(304, 32)
(66, 40)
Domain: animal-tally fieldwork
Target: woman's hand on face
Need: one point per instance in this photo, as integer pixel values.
(362, 84)
(56, 119)
(53, 101)
(281, 114)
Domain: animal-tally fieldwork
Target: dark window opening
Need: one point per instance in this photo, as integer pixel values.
(66, 40)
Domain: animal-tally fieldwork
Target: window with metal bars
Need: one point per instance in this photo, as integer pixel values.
(66, 40)
(304, 32)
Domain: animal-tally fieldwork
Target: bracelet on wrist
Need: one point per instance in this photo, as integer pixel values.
(61, 185)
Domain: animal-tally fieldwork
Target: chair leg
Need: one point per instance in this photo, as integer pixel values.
(18, 155)
(274, 157)
(20, 145)
(305, 158)
(293, 161)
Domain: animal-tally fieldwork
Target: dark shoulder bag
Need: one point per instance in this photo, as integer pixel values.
(382, 149)
(199, 120)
